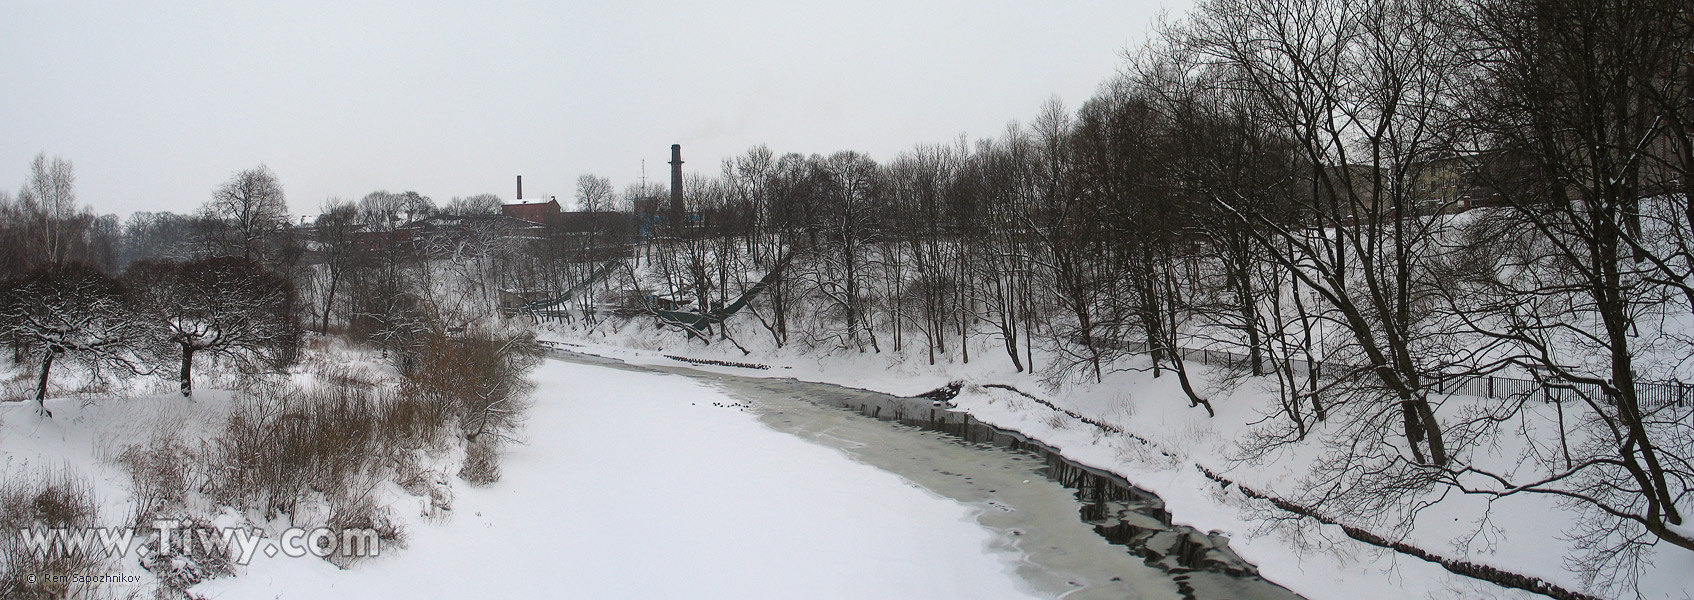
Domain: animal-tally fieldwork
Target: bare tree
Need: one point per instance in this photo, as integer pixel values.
(162, 236)
(849, 213)
(335, 240)
(71, 311)
(480, 204)
(252, 207)
(594, 193)
(13, 253)
(1001, 258)
(55, 229)
(1362, 87)
(920, 185)
(1572, 280)
(224, 307)
(387, 211)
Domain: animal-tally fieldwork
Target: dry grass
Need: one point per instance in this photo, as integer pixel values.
(44, 500)
(317, 456)
(162, 473)
(482, 462)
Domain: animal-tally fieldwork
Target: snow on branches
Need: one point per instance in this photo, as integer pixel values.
(71, 311)
(228, 307)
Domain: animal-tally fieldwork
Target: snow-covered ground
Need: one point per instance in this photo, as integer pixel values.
(630, 485)
(634, 483)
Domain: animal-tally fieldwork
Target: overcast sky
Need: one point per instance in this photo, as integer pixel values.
(156, 103)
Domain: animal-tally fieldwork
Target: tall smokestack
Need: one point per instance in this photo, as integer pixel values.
(676, 183)
(520, 187)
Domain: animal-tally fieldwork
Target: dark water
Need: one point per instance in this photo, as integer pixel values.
(1085, 533)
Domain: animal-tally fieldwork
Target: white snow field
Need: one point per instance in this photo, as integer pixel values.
(633, 485)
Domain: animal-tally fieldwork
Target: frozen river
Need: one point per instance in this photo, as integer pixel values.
(648, 485)
(638, 482)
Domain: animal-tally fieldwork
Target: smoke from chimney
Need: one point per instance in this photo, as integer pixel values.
(676, 183)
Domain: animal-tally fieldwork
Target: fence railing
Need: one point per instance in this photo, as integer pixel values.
(1651, 395)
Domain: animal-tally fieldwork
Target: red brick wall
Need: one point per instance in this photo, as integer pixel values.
(534, 212)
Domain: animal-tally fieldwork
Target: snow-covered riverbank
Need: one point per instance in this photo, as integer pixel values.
(642, 485)
(1524, 534)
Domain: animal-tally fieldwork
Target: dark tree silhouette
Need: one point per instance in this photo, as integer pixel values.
(71, 311)
(252, 207)
(225, 306)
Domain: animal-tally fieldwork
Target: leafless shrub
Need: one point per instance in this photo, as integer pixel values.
(278, 447)
(412, 478)
(337, 373)
(483, 376)
(318, 344)
(407, 422)
(479, 380)
(186, 563)
(329, 446)
(52, 498)
(482, 462)
(17, 387)
(160, 472)
(361, 511)
(1122, 406)
(429, 484)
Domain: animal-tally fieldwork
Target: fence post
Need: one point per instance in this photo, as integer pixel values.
(1490, 386)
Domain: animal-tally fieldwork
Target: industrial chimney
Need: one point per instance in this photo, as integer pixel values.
(520, 187)
(676, 184)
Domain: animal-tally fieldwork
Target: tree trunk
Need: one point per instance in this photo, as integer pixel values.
(1432, 432)
(187, 371)
(41, 384)
(329, 301)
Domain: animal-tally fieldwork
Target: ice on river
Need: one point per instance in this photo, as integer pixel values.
(634, 485)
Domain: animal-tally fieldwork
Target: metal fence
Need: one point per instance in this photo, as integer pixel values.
(1652, 395)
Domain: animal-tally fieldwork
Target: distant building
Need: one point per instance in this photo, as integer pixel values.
(545, 213)
(589, 222)
(439, 234)
(650, 218)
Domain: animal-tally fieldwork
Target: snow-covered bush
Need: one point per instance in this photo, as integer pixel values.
(185, 564)
(280, 445)
(71, 312)
(162, 473)
(483, 375)
(482, 462)
(41, 501)
(361, 510)
(225, 307)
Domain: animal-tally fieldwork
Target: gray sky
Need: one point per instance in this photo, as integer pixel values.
(157, 103)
